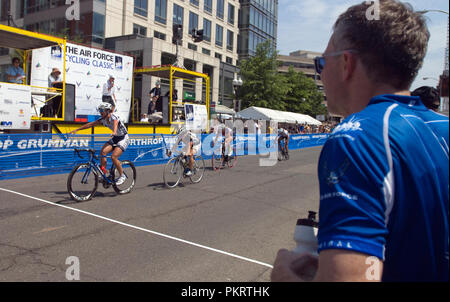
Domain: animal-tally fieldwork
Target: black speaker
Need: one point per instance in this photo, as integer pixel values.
(165, 109)
(69, 106)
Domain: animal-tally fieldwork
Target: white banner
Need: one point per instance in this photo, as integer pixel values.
(88, 69)
(196, 117)
(15, 106)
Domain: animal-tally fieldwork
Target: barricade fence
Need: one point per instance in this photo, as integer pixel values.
(28, 155)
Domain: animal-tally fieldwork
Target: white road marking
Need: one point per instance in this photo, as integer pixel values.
(142, 229)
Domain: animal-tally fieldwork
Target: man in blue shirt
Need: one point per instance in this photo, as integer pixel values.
(384, 171)
(15, 73)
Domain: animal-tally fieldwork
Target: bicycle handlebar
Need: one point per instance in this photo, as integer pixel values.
(92, 151)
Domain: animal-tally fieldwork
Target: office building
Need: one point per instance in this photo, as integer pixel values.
(143, 28)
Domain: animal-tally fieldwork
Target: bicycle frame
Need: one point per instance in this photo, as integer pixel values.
(93, 165)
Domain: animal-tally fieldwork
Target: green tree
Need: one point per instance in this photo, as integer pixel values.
(302, 94)
(262, 85)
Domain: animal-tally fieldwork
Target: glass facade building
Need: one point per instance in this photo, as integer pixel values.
(258, 22)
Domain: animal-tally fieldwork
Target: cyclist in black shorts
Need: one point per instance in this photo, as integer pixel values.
(283, 134)
(118, 142)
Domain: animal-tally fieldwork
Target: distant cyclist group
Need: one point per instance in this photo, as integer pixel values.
(188, 163)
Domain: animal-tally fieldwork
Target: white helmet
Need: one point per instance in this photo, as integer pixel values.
(104, 106)
(180, 130)
(280, 130)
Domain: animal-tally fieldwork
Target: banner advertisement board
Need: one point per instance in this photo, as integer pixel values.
(15, 106)
(196, 117)
(26, 155)
(88, 69)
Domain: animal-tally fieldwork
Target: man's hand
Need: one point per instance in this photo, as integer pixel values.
(294, 267)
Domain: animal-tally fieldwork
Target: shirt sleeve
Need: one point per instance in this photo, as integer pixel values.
(352, 206)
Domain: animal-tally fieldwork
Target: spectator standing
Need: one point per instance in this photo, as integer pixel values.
(109, 93)
(384, 172)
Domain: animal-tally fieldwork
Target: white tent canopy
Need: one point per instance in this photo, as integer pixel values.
(258, 113)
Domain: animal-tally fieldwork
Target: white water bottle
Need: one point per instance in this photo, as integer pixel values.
(306, 234)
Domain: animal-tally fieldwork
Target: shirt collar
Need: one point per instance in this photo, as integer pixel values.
(403, 100)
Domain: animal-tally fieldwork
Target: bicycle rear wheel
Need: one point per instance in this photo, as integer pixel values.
(199, 169)
(173, 171)
(82, 182)
(130, 172)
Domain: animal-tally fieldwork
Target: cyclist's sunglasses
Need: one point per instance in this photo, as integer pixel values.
(319, 62)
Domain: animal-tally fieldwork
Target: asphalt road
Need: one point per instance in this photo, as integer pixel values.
(227, 228)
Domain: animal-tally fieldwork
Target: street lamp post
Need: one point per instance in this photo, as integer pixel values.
(237, 83)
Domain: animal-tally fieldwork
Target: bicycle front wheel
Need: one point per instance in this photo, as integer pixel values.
(130, 173)
(198, 170)
(173, 171)
(82, 182)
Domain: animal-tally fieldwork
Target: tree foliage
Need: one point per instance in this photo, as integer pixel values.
(264, 86)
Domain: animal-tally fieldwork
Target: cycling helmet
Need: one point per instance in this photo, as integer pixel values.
(280, 130)
(180, 130)
(104, 106)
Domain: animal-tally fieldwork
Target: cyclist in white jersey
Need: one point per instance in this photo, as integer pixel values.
(227, 133)
(118, 142)
(190, 148)
(283, 134)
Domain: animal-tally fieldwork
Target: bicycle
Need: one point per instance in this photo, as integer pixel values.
(84, 178)
(220, 160)
(283, 154)
(175, 167)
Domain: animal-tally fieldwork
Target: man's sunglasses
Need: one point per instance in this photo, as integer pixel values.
(319, 62)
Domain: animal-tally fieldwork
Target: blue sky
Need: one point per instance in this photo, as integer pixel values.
(307, 25)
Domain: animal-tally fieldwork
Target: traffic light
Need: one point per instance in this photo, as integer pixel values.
(197, 35)
(177, 30)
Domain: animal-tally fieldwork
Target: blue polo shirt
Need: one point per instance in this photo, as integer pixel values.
(384, 188)
(13, 71)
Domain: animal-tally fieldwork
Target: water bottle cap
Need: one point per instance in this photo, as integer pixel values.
(307, 222)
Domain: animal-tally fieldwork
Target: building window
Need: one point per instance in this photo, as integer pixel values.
(192, 46)
(177, 14)
(219, 35)
(208, 6)
(218, 55)
(193, 22)
(140, 30)
(219, 9)
(206, 51)
(230, 14)
(161, 11)
(229, 60)
(206, 30)
(98, 28)
(194, 2)
(159, 35)
(230, 40)
(140, 7)
(4, 51)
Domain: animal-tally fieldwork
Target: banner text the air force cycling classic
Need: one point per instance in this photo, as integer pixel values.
(87, 69)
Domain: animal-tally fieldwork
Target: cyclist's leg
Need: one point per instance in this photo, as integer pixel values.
(286, 144)
(107, 148)
(117, 152)
(228, 150)
(190, 153)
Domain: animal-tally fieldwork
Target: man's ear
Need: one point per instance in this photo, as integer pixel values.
(349, 65)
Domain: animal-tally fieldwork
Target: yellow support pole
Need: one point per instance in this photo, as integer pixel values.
(170, 103)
